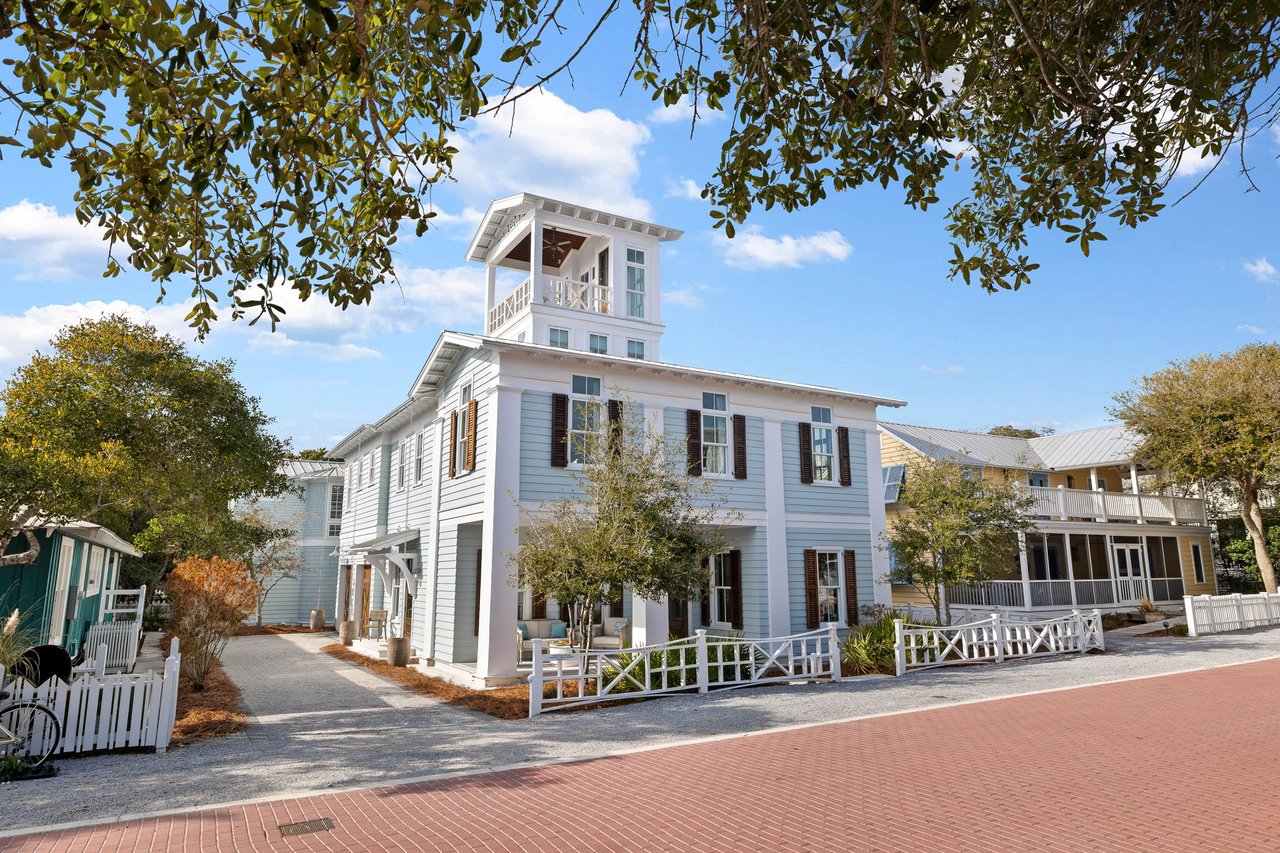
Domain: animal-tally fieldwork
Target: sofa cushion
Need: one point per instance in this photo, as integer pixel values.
(619, 627)
(559, 630)
(523, 629)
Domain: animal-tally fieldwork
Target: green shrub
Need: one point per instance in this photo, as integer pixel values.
(868, 648)
(1180, 631)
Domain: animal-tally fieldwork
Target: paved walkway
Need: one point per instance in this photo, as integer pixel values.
(1177, 762)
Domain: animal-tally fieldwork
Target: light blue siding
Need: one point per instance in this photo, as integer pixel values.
(824, 497)
(798, 540)
(745, 494)
(539, 481)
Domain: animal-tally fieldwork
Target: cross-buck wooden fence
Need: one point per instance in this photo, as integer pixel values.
(101, 712)
(702, 663)
(1213, 614)
(995, 639)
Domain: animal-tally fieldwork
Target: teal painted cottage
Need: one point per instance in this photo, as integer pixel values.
(62, 593)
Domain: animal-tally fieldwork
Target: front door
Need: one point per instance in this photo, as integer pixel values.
(677, 617)
(62, 582)
(366, 587)
(1130, 576)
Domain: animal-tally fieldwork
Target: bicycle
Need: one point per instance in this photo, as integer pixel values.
(28, 730)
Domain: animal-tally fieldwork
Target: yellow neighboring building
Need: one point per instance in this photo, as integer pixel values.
(1101, 541)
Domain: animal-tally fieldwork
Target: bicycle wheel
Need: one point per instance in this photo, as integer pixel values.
(29, 730)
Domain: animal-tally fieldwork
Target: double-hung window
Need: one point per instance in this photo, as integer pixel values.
(1037, 478)
(721, 591)
(402, 463)
(715, 434)
(559, 338)
(828, 586)
(373, 478)
(635, 349)
(823, 445)
(598, 344)
(586, 418)
(360, 466)
(419, 441)
(461, 448)
(335, 510)
(635, 283)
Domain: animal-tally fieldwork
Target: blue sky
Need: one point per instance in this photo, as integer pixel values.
(852, 293)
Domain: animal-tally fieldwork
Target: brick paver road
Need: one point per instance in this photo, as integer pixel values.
(1182, 762)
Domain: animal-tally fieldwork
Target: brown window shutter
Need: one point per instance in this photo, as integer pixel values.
(475, 626)
(735, 580)
(739, 447)
(706, 598)
(615, 604)
(806, 454)
(811, 588)
(473, 415)
(539, 608)
(453, 443)
(559, 430)
(842, 442)
(851, 585)
(615, 427)
(693, 424)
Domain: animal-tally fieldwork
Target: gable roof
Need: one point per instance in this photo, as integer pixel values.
(310, 469)
(1108, 445)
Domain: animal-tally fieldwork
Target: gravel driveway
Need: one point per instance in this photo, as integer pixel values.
(316, 723)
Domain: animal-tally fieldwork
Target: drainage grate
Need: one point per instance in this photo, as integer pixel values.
(322, 824)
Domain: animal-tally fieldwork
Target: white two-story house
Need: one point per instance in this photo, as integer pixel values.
(437, 489)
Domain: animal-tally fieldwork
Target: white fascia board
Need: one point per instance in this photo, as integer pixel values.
(355, 437)
(494, 206)
(460, 339)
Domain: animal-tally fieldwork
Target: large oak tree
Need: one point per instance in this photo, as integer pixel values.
(256, 144)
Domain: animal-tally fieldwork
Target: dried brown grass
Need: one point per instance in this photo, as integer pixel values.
(505, 703)
(208, 713)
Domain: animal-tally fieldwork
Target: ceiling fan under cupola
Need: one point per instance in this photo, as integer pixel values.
(556, 245)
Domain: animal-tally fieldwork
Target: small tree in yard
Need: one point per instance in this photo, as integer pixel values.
(209, 598)
(954, 528)
(638, 521)
(1215, 420)
(274, 556)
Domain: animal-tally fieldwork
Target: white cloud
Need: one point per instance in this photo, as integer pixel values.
(1251, 329)
(682, 111)
(22, 334)
(469, 217)
(1261, 269)
(1193, 162)
(552, 148)
(686, 297)
(750, 249)
(683, 188)
(45, 244)
(951, 368)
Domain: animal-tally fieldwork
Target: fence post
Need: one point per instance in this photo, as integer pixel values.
(704, 672)
(1081, 630)
(100, 662)
(169, 697)
(834, 649)
(535, 679)
(1189, 608)
(1097, 624)
(1239, 599)
(899, 648)
(1266, 602)
(997, 632)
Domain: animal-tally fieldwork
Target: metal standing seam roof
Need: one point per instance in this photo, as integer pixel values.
(1109, 445)
(310, 469)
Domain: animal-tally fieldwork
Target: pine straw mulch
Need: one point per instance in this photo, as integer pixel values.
(263, 630)
(505, 703)
(209, 713)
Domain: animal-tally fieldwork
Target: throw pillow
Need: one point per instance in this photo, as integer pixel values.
(559, 630)
(524, 631)
(618, 626)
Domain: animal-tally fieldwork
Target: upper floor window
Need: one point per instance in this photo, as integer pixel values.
(336, 496)
(1037, 478)
(635, 283)
(360, 473)
(559, 338)
(418, 453)
(461, 449)
(598, 344)
(635, 349)
(373, 477)
(402, 463)
(823, 445)
(586, 419)
(715, 434)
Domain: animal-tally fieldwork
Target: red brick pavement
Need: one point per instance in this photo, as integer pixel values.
(1183, 762)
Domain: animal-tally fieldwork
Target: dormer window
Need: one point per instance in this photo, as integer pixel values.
(635, 283)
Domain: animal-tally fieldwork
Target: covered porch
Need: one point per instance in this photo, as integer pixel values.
(377, 584)
(1066, 569)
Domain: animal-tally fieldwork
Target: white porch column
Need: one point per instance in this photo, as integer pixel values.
(496, 654)
(357, 596)
(775, 507)
(537, 288)
(883, 591)
(1111, 570)
(1137, 492)
(434, 464)
(1071, 569)
(648, 621)
(490, 286)
(1026, 570)
(1093, 479)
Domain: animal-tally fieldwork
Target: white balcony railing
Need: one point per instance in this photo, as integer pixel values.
(1063, 504)
(553, 290)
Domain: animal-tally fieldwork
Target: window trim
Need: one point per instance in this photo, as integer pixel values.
(550, 337)
(337, 495)
(726, 446)
(1039, 474)
(639, 344)
(601, 417)
(402, 466)
(1197, 564)
(715, 589)
(835, 555)
(643, 292)
(828, 426)
(373, 478)
(460, 441)
(592, 338)
(419, 456)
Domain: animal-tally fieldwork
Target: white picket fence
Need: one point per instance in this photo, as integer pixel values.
(995, 639)
(1213, 614)
(703, 662)
(106, 712)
